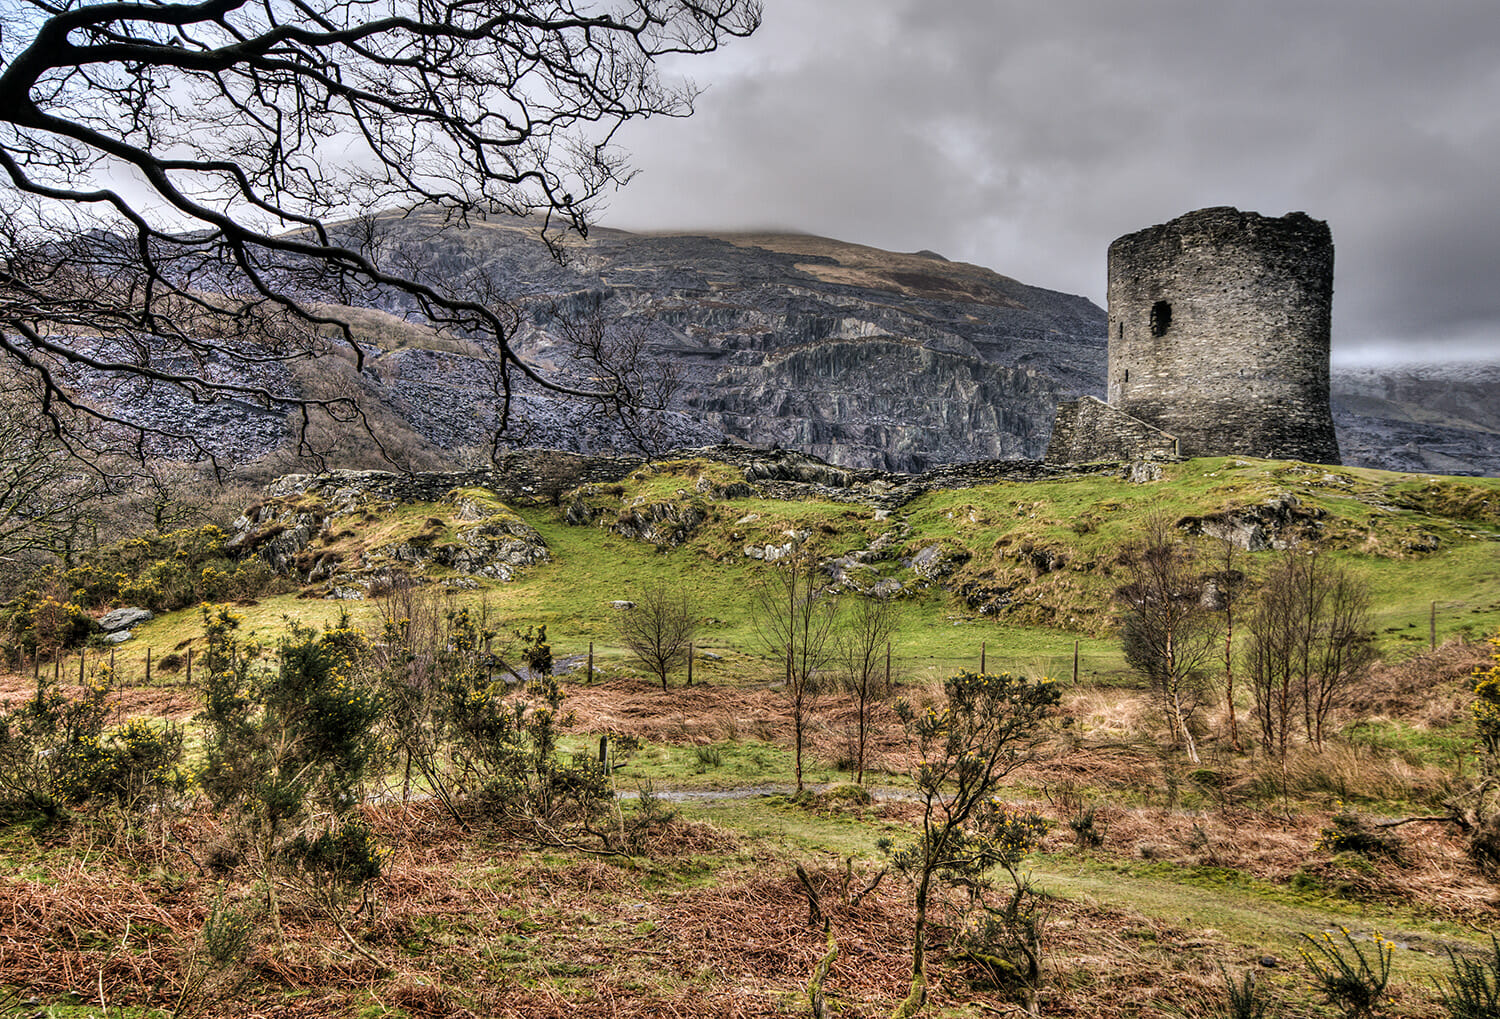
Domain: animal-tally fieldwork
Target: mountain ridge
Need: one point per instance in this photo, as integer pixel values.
(862, 357)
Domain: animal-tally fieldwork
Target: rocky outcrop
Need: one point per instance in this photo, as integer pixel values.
(667, 523)
(124, 619)
(314, 527)
(885, 403)
(1277, 523)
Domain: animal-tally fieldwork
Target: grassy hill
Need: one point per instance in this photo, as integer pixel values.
(1026, 568)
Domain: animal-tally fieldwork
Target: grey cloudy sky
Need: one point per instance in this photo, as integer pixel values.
(1027, 136)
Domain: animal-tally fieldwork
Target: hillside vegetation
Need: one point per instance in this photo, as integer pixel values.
(454, 847)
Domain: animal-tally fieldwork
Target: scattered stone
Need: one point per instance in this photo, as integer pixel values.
(124, 619)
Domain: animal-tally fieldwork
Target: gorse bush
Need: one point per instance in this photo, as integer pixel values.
(161, 572)
(347, 856)
(1245, 999)
(51, 750)
(1487, 711)
(39, 621)
(1350, 979)
(289, 742)
(1472, 988)
(56, 752)
(1088, 826)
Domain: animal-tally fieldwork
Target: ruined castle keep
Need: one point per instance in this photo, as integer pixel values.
(1218, 343)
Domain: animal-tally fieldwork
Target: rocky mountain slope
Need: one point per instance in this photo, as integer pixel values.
(865, 358)
(1433, 418)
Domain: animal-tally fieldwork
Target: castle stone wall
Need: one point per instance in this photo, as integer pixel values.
(1089, 430)
(1219, 330)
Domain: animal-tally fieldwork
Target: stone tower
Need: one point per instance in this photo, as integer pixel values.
(1218, 333)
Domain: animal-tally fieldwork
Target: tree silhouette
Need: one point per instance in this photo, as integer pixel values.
(191, 185)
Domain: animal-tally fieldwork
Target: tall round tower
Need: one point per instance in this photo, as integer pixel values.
(1218, 333)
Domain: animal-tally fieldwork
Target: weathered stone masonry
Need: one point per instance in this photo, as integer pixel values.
(1090, 430)
(1218, 335)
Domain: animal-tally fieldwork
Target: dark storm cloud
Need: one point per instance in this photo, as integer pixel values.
(1025, 137)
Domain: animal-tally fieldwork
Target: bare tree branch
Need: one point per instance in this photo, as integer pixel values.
(189, 186)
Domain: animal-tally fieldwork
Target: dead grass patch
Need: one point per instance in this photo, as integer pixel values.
(1429, 690)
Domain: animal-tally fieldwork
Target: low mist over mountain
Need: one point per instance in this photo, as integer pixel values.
(863, 357)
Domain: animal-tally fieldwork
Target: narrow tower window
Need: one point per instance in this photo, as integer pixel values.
(1161, 318)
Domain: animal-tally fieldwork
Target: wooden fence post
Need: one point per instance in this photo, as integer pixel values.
(690, 663)
(148, 665)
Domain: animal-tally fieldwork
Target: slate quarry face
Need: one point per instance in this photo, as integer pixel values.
(1219, 333)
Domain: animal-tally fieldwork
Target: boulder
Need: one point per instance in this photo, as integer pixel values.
(124, 619)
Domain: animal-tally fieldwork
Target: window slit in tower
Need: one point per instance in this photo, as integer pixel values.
(1161, 318)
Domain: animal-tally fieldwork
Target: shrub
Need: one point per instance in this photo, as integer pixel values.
(1349, 979)
(228, 934)
(1473, 988)
(345, 858)
(283, 737)
(1487, 710)
(44, 623)
(55, 753)
(1245, 1000)
(988, 726)
(1088, 827)
(1348, 832)
(144, 763)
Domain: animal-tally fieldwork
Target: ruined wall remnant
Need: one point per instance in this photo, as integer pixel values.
(1089, 430)
(1219, 329)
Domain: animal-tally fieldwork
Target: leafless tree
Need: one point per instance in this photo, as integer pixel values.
(863, 649)
(614, 353)
(658, 629)
(794, 618)
(1227, 586)
(1169, 634)
(187, 183)
(47, 499)
(1309, 645)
